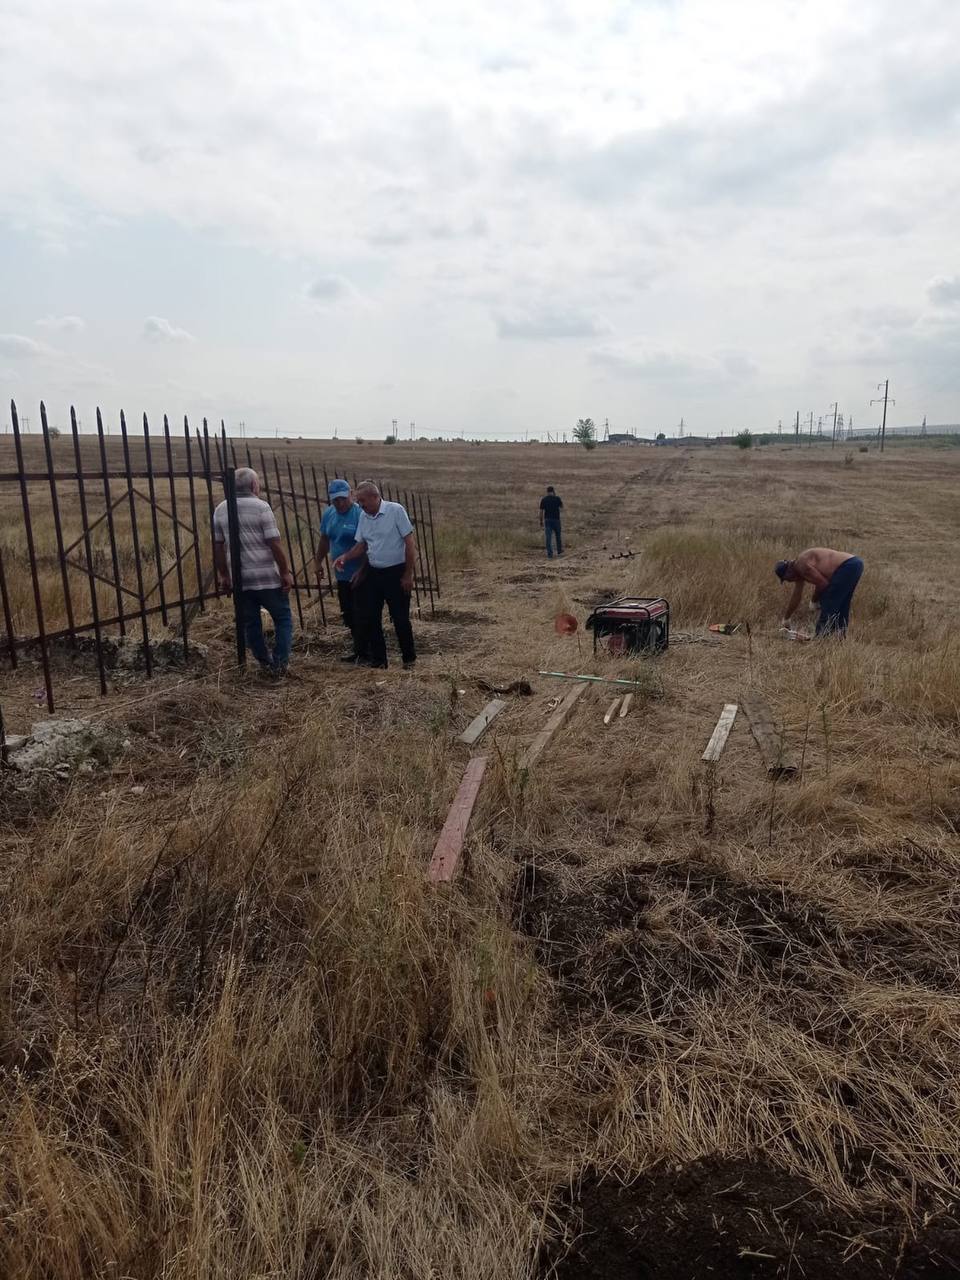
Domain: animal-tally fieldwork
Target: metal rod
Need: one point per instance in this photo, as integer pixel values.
(433, 543)
(88, 552)
(114, 555)
(158, 555)
(194, 526)
(205, 455)
(7, 618)
(286, 529)
(135, 538)
(421, 534)
(314, 533)
(316, 489)
(184, 622)
(564, 675)
(32, 554)
(236, 567)
(416, 585)
(265, 478)
(58, 528)
(296, 516)
(3, 741)
(28, 641)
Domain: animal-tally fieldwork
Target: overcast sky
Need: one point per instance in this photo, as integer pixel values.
(490, 218)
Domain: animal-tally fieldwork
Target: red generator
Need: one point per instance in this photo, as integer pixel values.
(633, 624)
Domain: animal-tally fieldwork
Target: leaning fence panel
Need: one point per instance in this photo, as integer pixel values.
(118, 533)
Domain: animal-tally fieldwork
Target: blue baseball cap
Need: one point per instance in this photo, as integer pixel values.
(338, 489)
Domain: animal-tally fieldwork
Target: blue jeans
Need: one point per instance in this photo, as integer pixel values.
(835, 599)
(551, 530)
(277, 604)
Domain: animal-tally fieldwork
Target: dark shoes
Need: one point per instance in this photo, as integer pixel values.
(368, 662)
(408, 663)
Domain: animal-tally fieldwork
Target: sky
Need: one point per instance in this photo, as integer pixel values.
(486, 219)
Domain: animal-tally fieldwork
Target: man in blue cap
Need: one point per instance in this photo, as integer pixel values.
(338, 535)
(833, 575)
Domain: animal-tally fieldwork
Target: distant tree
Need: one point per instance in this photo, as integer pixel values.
(585, 433)
(743, 439)
(661, 435)
(391, 440)
(359, 439)
(54, 433)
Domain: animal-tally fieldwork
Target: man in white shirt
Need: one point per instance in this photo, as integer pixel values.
(385, 536)
(264, 577)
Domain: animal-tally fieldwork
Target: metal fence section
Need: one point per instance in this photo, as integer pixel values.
(116, 537)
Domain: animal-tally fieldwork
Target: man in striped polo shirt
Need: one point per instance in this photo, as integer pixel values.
(265, 577)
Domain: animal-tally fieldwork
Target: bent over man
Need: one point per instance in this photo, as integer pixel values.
(338, 534)
(385, 536)
(264, 577)
(833, 575)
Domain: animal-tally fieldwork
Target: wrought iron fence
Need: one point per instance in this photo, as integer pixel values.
(103, 546)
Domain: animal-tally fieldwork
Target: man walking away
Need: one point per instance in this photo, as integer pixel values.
(550, 506)
(385, 536)
(264, 576)
(338, 535)
(833, 575)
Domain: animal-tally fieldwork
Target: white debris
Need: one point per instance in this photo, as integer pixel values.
(63, 745)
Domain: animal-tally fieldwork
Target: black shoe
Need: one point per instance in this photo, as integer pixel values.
(408, 663)
(368, 662)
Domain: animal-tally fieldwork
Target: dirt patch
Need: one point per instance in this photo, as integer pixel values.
(658, 936)
(739, 1221)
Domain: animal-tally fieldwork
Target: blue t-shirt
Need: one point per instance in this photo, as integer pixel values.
(342, 532)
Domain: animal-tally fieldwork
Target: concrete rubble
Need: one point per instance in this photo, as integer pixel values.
(62, 747)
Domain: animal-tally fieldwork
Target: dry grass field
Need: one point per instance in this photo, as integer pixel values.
(663, 1025)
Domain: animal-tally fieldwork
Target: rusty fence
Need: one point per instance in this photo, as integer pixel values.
(92, 552)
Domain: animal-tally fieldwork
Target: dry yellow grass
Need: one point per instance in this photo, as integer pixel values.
(242, 1037)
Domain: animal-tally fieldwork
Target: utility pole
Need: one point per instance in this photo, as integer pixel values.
(412, 425)
(394, 421)
(796, 429)
(886, 398)
(779, 426)
(833, 438)
(606, 431)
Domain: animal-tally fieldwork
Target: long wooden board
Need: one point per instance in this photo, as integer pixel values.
(446, 854)
(780, 759)
(476, 728)
(536, 747)
(718, 739)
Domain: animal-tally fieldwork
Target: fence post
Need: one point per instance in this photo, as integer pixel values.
(236, 574)
(32, 554)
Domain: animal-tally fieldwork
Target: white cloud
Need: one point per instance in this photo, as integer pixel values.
(493, 179)
(156, 329)
(330, 288)
(944, 290)
(61, 324)
(546, 323)
(672, 365)
(15, 344)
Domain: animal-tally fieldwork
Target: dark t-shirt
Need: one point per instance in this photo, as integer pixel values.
(550, 505)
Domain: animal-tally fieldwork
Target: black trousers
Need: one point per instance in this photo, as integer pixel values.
(382, 587)
(347, 598)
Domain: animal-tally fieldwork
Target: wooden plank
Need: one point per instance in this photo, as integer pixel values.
(779, 758)
(720, 734)
(478, 727)
(446, 855)
(536, 747)
(626, 704)
(611, 711)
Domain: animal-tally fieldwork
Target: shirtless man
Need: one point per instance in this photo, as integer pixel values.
(833, 575)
